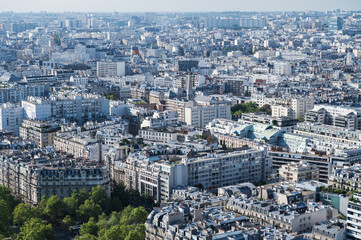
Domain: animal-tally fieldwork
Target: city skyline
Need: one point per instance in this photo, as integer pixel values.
(177, 6)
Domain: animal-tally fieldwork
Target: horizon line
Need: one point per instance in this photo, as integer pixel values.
(188, 11)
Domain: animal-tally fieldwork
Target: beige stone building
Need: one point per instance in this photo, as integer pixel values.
(49, 174)
(77, 145)
(40, 132)
(298, 172)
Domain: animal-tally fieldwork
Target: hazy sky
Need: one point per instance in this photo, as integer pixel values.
(175, 5)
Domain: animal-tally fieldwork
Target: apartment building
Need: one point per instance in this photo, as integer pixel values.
(49, 174)
(300, 106)
(161, 120)
(79, 80)
(329, 230)
(290, 106)
(158, 136)
(37, 108)
(338, 116)
(70, 106)
(327, 132)
(346, 177)
(353, 229)
(106, 69)
(281, 111)
(40, 132)
(179, 106)
(200, 116)
(195, 222)
(18, 93)
(158, 174)
(282, 68)
(11, 116)
(298, 172)
(298, 217)
(79, 146)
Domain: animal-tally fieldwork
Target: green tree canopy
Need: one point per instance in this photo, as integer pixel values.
(125, 217)
(138, 215)
(113, 233)
(5, 215)
(89, 209)
(134, 235)
(54, 207)
(5, 195)
(71, 204)
(90, 227)
(99, 196)
(22, 213)
(266, 109)
(86, 237)
(68, 220)
(248, 107)
(36, 229)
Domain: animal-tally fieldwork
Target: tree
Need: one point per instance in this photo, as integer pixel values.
(133, 235)
(138, 215)
(124, 141)
(111, 97)
(103, 222)
(81, 195)
(54, 207)
(239, 113)
(68, 220)
(125, 217)
(266, 109)
(116, 204)
(125, 230)
(114, 218)
(90, 227)
(89, 209)
(22, 213)
(40, 208)
(5, 215)
(99, 196)
(120, 192)
(248, 107)
(36, 228)
(86, 237)
(71, 205)
(140, 229)
(113, 233)
(301, 119)
(5, 195)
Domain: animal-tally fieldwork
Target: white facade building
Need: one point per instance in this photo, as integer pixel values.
(79, 80)
(159, 136)
(11, 116)
(118, 108)
(281, 111)
(282, 68)
(159, 120)
(200, 116)
(37, 109)
(105, 69)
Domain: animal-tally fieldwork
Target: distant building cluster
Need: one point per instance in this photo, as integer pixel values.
(240, 125)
